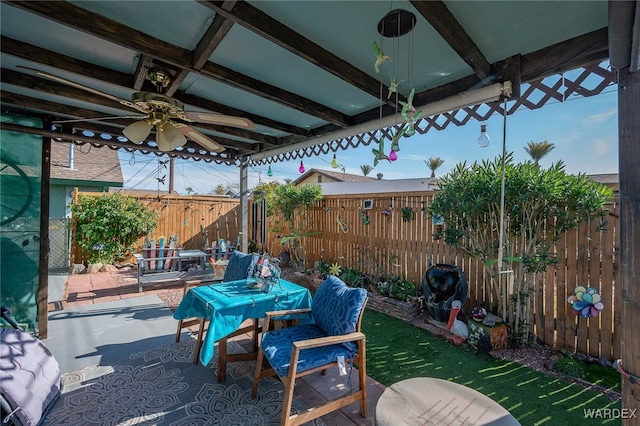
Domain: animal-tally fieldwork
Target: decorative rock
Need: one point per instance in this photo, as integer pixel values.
(108, 268)
(605, 362)
(78, 268)
(581, 357)
(551, 362)
(94, 268)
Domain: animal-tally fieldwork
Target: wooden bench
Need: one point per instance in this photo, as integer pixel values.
(168, 268)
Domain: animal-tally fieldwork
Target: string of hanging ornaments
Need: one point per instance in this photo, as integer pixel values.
(394, 25)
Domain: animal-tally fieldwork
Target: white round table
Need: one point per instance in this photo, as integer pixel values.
(430, 401)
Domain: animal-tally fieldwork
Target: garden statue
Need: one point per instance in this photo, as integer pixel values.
(442, 284)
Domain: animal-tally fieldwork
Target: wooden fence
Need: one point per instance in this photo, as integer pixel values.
(198, 220)
(389, 244)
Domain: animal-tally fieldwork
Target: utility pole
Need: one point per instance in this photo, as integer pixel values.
(171, 174)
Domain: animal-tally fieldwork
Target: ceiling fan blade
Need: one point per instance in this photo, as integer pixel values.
(115, 117)
(82, 87)
(199, 138)
(221, 119)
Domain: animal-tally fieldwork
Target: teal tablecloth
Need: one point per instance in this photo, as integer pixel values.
(227, 305)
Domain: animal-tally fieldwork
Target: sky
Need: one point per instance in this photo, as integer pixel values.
(583, 130)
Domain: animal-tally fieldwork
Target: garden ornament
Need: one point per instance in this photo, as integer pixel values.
(365, 218)
(342, 225)
(586, 302)
(489, 320)
(393, 86)
(379, 153)
(442, 285)
(479, 312)
(455, 326)
(380, 57)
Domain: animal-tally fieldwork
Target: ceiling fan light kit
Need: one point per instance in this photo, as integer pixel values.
(161, 111)
(168, 137)
(137, 131)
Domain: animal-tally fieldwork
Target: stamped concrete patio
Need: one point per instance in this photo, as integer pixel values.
(85, 295)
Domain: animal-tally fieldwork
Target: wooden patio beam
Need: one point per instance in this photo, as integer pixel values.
(267, 27)
(443, 21)
(91, 23)
(37, 54)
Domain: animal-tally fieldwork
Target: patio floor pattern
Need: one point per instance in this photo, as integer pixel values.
(83, 290)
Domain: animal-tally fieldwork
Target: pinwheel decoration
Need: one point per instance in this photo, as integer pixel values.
(586, 302)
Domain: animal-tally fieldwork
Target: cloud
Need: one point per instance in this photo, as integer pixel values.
(600, 118)
(601, 148)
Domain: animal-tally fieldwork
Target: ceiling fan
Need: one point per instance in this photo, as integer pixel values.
(161, 112)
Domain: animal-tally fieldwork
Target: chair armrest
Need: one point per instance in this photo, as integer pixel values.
(328, 340)
(269, 315)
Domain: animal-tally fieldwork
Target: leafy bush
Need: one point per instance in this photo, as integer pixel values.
(112, 222)
(397, 288)
(541, 205)
(352, 277)
(570, 367)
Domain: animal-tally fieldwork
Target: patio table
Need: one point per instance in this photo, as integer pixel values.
(227, 305)
(431, 401)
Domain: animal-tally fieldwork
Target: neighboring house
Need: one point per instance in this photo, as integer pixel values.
(612, 180)
(84, 167)
(231, 193)
(324, 176)
(146, 192)
(88, 168)
(376, 186)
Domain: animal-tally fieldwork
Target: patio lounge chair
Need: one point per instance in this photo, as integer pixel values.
(304, 349)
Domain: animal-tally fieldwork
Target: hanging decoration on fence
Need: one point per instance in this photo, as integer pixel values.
(586, 302)
(365, 218)
(342, 225)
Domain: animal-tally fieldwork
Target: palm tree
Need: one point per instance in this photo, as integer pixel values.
(433, 163)
(537, 150)
(366, 169)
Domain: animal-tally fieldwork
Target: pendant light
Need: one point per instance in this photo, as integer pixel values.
(483, 140)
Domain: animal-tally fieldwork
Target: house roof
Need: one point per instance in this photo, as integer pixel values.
(336, 176)
(84, 165)
(606, 178)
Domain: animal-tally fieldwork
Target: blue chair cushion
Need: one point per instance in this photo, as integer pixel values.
(277, 346)
(336, 307)
(238, 266)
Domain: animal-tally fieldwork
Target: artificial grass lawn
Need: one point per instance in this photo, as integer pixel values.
(397, 350)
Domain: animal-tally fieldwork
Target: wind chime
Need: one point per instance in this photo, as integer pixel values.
(394, 25)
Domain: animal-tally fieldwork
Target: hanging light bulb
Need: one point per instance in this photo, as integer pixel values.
(301, 168)
(334, 162)
(269, 172)
(393, 156)
(483, 140)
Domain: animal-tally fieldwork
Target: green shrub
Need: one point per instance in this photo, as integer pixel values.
(570, 367)
(397, 288)
(108, 226)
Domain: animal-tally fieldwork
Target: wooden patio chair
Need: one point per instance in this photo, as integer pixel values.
(236, 269)
(303, 349)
